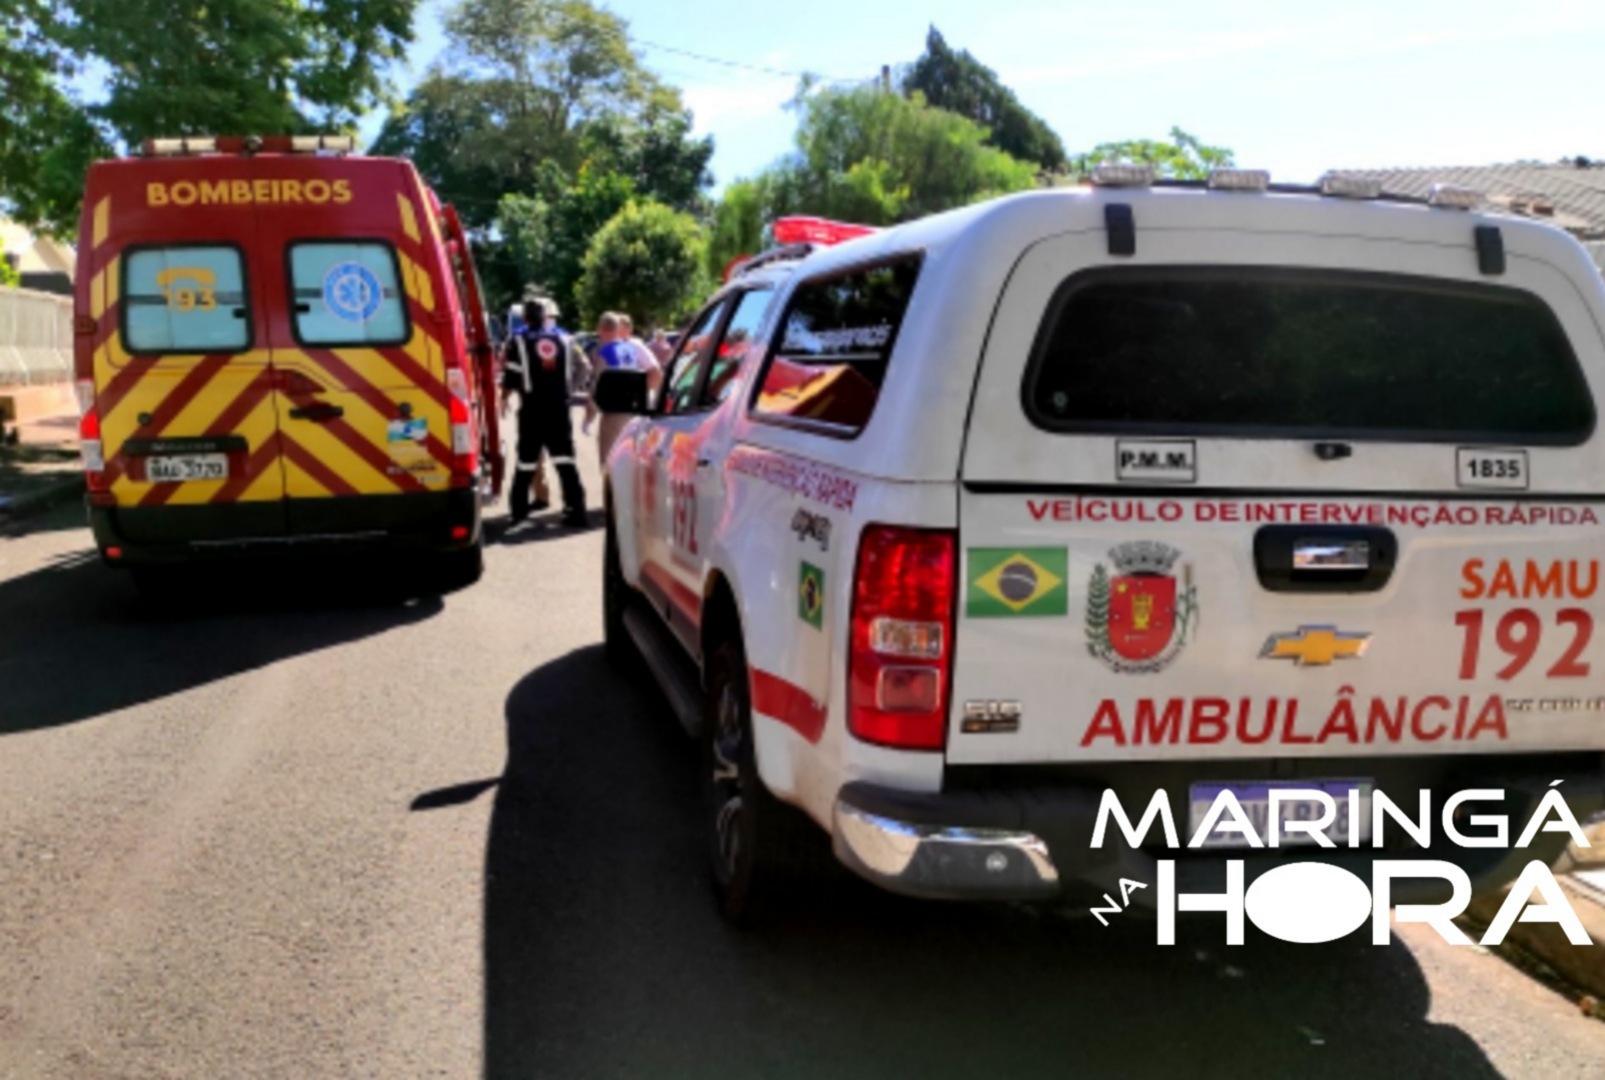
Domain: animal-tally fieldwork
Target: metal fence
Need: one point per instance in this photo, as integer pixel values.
(35, 338)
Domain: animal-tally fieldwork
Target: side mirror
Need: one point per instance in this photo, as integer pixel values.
(621, 390)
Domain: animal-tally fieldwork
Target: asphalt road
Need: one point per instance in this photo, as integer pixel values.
(298, 827)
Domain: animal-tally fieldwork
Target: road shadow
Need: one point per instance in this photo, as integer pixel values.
(604, 956)
(66, 513)
(77, 640)
(539, 528)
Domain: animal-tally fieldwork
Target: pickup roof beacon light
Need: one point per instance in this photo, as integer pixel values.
(1453, 197)
(1349, 187)
(1239, 180)
(1122, 174)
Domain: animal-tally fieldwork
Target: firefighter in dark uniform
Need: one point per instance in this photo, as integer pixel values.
(537, 368)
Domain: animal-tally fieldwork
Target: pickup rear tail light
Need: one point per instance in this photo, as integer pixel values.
(464, 452)
(900, 660)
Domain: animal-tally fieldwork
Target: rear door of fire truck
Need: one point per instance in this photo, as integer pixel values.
(364, 412)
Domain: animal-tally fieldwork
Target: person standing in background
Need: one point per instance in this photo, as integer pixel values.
(539, 367)
(617, 347)
(660, 346)
(647, 360)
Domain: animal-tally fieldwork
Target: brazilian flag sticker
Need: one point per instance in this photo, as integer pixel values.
(811, 595)
(1016, 581)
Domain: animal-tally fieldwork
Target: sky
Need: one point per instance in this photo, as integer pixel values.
(1293, 87)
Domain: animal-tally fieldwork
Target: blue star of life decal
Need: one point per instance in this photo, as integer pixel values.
(352, 292)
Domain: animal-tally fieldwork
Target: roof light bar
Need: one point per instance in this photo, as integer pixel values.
(1239, 180)
(188, 144)
(802, 229)
(1346, 186)
(311, 144)
(1453, 197)
(1122, 174)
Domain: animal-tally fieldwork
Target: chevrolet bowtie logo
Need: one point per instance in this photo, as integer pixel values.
(1315, 646)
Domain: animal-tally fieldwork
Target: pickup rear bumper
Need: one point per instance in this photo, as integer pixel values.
(1035, 843)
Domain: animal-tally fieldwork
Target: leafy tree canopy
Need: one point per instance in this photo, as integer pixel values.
(868, 156)
(531, 91)
(647, 261)
(958, 82)
(1184, 157)
(178, 67)
(545, 241)
(865, 155)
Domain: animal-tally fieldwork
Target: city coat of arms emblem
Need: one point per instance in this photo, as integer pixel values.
(1139, 618)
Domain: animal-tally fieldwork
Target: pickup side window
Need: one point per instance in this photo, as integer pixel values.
(687, 365)
(739, 339)
(1279, 352)
(185, 298)
(347, 292)
(834, 342)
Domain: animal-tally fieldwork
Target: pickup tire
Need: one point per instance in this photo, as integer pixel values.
(762, 849)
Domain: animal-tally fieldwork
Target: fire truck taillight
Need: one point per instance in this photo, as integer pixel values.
(464, 454)
(900, 658)
(89, 449)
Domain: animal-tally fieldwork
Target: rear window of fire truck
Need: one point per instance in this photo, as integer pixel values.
(832, 348)
(1295, 353)
(347, 292)
(186, 298)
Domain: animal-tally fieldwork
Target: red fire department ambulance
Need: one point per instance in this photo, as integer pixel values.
(279, 343)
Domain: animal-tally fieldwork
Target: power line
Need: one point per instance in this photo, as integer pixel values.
(762, 68)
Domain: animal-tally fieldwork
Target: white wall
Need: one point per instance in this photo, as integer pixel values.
(35, 338)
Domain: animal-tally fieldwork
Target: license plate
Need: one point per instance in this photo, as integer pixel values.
(177, 468)
(1255, 798)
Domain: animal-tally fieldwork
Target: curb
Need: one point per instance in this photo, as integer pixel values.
(70, 486)
(1580, 966)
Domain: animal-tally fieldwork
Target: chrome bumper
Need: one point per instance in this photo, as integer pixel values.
(943, 861)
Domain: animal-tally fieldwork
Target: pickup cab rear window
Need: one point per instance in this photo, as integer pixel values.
(832, 348)
(1278, 352)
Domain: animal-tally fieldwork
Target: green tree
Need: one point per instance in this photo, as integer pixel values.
(648, 261)
(737, 226)
(551, 238)
(1184, 157)
(529, 92)
(869, 156)
(8, 273)
(179, 67)
(46, 140)
(959, 83)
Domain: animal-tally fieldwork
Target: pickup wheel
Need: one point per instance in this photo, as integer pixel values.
(616, 592)
(762, 849)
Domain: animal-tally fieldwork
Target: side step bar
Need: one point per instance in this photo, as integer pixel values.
(669, 665)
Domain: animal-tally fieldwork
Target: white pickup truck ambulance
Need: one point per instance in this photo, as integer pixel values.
(938, 533)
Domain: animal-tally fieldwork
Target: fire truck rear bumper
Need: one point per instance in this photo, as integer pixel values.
(426, 522)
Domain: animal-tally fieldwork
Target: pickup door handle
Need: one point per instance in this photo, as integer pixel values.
(1340, 558)
(318, 410)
